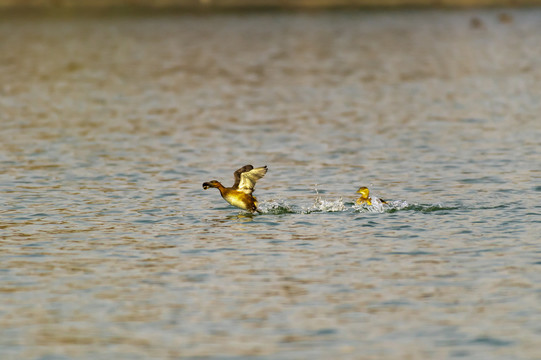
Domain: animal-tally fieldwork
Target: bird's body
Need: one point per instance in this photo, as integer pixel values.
(240, 194)
(365, 199)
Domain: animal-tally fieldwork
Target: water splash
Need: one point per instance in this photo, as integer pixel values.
(276, 207)
(377, 206)
(321, 205)
(398, 204)
(281, 206)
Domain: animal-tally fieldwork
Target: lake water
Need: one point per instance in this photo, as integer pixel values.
(111, 249)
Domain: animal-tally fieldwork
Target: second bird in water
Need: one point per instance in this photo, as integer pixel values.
(365, 199)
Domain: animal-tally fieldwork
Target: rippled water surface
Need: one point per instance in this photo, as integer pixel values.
(111, 249)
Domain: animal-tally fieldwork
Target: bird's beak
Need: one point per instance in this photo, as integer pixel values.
(206, 185)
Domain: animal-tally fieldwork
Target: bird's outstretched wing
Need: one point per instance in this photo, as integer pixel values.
(237, 173)
(249, 178)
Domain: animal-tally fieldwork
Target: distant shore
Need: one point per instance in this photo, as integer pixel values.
(253, 4)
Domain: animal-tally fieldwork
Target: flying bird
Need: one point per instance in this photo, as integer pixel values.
(240, 194)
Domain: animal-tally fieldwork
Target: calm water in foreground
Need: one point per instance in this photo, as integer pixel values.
(111, 249)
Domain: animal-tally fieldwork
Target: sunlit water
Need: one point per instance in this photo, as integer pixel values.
(111, 249)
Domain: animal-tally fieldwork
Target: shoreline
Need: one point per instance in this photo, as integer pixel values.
(96, 11)
(247, 5)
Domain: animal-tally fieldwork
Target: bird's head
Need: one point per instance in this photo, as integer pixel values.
(363, 191)
(213, 183)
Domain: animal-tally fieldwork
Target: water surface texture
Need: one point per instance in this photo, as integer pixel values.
(111, 249)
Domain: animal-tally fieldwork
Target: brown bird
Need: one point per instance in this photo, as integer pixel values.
(240, 194)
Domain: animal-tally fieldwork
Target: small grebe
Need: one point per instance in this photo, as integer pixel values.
(364, 199)
(240, 194)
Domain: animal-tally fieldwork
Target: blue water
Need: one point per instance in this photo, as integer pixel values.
(110, 248)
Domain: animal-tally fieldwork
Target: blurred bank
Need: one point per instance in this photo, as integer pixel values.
(225, 4)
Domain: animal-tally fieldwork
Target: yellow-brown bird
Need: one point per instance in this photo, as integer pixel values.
(240, 194)
(365, 199)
